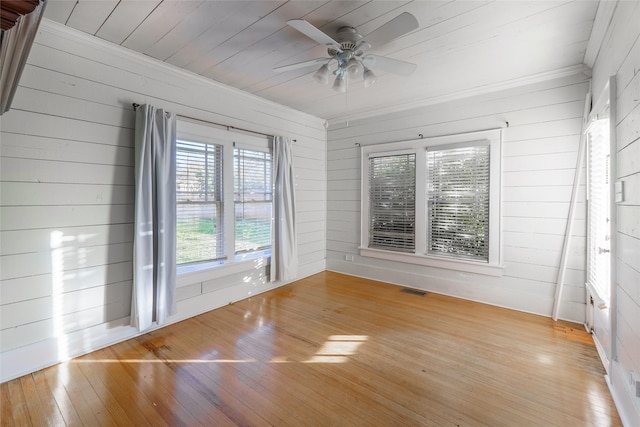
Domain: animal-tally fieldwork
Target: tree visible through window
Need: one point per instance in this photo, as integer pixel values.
(458, 202)
(392, 200)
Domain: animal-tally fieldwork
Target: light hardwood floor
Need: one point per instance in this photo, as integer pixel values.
(331, 350)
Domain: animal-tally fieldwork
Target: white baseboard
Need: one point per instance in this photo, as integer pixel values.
(25, 360)
(623, 395)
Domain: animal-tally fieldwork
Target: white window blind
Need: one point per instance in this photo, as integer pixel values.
(253, 194)
(392, 201)
(199, 198)
(458, 202)
(599, 212)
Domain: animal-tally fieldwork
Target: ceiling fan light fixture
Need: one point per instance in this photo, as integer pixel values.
(348, 49)
(340, 83)
(354, 67)
(369, 77)
(322, 75)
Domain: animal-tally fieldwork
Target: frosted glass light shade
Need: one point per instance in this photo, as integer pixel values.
(369, 77)
(322, 75)
(354, 67)
(340, 84)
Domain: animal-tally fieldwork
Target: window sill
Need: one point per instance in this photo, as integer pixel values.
(190, 273)
(430, 261)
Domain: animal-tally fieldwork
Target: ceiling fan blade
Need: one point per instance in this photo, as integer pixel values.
(383, 63)
(313, 33)
(304, 64)
(398, 26)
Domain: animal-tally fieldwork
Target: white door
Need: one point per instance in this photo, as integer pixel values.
(599, 221)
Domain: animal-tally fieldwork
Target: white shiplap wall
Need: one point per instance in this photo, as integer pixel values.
(619, 55)
(539, 159)
(67, 194)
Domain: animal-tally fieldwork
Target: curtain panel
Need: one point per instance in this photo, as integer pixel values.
(284, 252)
(154, 257)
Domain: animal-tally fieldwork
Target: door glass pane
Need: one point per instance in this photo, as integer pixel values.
(599, 212)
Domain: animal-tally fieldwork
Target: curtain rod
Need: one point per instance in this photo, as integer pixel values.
(421, 136)
(229, 127)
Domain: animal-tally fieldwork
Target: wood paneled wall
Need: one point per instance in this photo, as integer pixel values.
(67, 194)
(539, 160)
(619, 55)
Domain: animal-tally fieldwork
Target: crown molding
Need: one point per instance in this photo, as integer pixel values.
(63, 31)
(466, 93)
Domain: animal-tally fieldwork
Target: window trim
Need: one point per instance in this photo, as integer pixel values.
(191, 130)
(494, 266)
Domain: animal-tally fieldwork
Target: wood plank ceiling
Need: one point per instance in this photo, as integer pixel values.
(461, 47)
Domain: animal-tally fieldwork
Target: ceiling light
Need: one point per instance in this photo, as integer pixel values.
(322, 75)
(354, 67)
(340, 84)
(369, 77)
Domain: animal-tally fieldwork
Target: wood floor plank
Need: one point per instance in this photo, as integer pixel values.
(18, 404)
(83, 395)
(60, 375)
(56, 387)
(37, 413)
(129, 390)
(50, 406)
(331, 350)
(109, 391)
(227, 391)
(6, 408)
(157, 383)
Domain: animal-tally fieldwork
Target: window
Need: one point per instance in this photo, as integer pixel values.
(199, 199)
(458, 202)
(224, 192)
(392, 199)
(434, 201)
(253, 195)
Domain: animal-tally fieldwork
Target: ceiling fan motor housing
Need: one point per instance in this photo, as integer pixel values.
(348, 38)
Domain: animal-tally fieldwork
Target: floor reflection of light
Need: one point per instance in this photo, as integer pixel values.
(337, 348)
(177, 361)
(57, 290)
(545, 359)
(596, 403)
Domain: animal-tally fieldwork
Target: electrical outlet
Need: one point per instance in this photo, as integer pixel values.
(348, 257)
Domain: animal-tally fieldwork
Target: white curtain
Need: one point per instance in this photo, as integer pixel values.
(154, 247)
(284, 252)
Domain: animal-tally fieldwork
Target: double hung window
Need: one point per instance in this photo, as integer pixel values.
(200, 202)
(392, 201)
(253, 197)
(224, 197)
(434, 202)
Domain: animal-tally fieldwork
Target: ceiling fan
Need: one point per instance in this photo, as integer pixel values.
(348, 49)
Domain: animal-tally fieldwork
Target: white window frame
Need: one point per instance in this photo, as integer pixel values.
(494, 266)
(197, 132)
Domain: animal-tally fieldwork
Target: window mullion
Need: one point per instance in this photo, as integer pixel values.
(421, 202)
(229, 206)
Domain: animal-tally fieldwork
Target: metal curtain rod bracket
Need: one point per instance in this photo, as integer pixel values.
(228, 127)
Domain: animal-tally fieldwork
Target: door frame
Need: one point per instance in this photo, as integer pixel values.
(607, 97)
